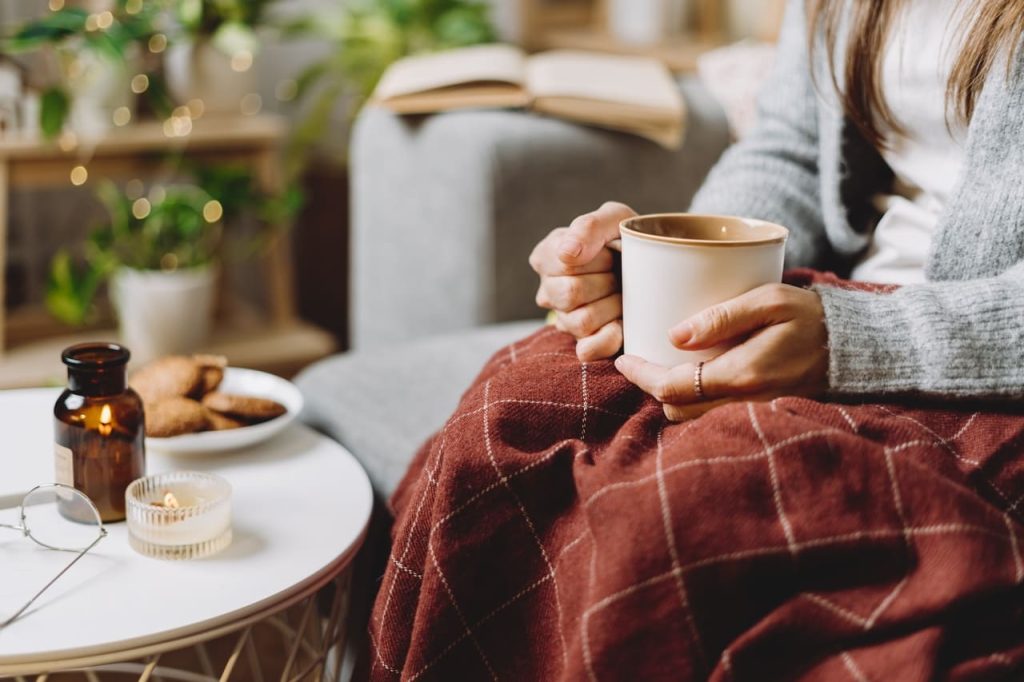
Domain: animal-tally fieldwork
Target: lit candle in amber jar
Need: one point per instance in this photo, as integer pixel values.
(105, 418)
(98, 428)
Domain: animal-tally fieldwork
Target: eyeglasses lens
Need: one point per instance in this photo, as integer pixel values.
(61, 518)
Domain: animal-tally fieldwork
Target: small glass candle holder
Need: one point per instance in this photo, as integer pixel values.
(179, 515)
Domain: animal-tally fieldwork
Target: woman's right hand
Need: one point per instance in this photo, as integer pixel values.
(577, 280)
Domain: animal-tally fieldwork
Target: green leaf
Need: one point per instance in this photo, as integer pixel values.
(119, 208)
(281, 209)
(190, 12)
(70, 290)
(310, 129)
(158, 96)
(301, 27)
(105, 44)
(234, 37)
(464, 26)
(50, 28)
(53, 111)
(309, 77)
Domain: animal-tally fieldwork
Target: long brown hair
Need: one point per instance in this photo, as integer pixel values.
(992, 27)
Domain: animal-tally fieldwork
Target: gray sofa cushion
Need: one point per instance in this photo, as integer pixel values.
(382, 405)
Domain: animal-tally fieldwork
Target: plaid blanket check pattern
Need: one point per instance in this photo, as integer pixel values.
(558, 528)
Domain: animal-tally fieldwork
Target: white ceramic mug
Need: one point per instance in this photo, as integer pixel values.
(675, 265)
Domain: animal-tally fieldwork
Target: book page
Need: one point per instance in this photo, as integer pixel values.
(473, 96)
(638, 82)
(613, 116)
(478, 64)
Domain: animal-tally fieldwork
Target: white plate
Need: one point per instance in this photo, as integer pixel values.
(243, 382)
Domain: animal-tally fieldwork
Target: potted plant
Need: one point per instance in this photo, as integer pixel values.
(98, 59)
(159, 254)
(213, 60)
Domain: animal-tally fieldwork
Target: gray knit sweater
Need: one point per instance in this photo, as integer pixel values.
(806, 166)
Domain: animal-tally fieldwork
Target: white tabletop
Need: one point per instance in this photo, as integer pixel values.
(301, 504)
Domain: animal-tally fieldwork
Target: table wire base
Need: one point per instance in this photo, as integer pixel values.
(304, 642)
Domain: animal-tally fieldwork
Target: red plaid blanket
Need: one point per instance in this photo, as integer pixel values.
(558, 528)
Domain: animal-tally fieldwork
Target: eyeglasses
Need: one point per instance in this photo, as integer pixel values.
(60, 518)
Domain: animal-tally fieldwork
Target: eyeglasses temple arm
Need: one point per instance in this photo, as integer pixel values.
(47, 586)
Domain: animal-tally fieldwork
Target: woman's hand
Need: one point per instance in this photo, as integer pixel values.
(577, 281)
(785, 352)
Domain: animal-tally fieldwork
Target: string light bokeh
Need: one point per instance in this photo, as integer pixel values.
(181, 121)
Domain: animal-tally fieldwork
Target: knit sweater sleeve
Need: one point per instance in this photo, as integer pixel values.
(772, 173)
(947, 339)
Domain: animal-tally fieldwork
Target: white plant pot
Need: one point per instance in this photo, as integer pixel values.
(201, 71)
(646, 22)
(97, 86)
(164, 313)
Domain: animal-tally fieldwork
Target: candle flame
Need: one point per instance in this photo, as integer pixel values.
(105, 419)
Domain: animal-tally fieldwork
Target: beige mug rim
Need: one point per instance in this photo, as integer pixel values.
(710, 243)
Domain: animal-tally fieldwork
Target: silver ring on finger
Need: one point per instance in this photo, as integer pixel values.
(698, 381)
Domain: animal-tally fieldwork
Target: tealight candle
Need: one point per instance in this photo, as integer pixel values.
(179, 515)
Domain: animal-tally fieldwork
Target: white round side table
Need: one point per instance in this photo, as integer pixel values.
(301, 505)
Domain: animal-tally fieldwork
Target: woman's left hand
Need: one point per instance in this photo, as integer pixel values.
(784, 352)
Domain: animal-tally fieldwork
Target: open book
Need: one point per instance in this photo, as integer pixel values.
(632, 94)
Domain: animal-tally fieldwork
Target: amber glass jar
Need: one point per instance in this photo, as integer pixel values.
(98, 428)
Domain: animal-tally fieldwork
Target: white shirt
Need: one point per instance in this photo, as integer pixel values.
(928, 157)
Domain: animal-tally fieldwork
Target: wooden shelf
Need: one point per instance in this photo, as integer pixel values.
(282, 348)
(30, 345)
(209, 132)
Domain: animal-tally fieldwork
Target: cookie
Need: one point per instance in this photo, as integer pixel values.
(169, 377)
(208, 360)
(247, 408)
(222, 422)
(212, 376)
(213, 371)
(174, 417)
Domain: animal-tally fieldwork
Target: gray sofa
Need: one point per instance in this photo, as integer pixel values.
(446, 209)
